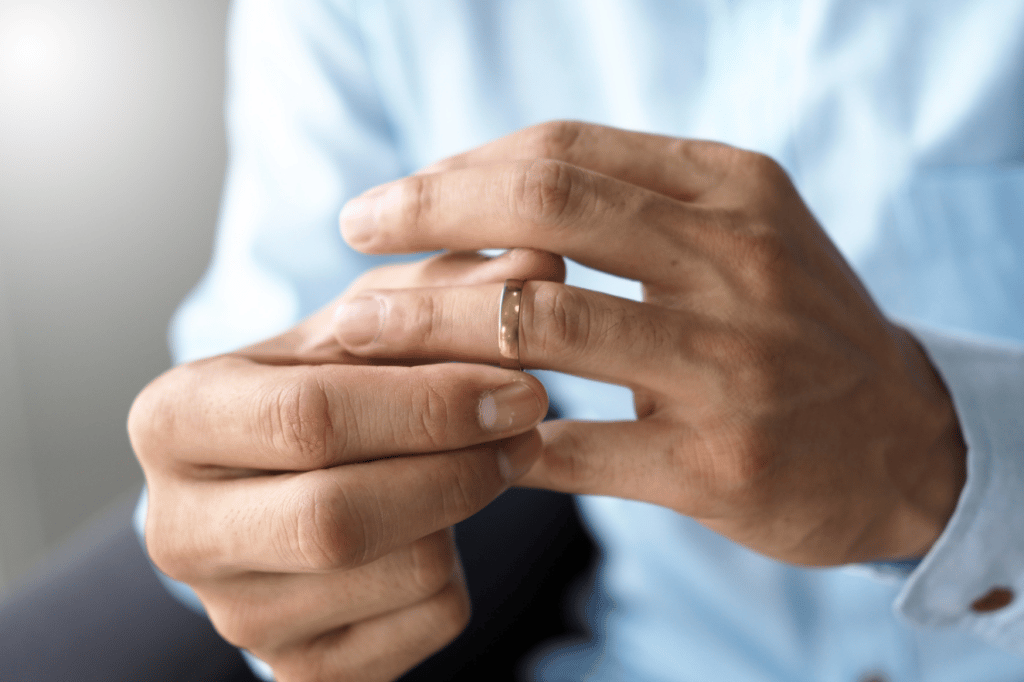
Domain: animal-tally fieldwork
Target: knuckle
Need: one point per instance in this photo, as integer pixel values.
(299, 420)
(566, 468)
(166, 554)
(144, 421)
(749, 362)
(547, 192)
(553, 140)
(714, 162)
(557, 321)
(327, 534)
(765, 254)
(433, 564)
(423, 319)
(729, 463)
(416, 200)
(410, 201)
(239, 623)
(765, 167)
(762, 176)
(710, 151)
(467, 491)
(153, 415)
(757, 259)
(745, 455)
(428, 416)
(172, 551)
(450, 613)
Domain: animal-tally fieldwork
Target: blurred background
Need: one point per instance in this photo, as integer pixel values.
(111, 157)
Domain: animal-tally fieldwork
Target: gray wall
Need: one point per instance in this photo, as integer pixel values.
(111, 157)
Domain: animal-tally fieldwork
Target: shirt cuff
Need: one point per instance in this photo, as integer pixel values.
(973, 576)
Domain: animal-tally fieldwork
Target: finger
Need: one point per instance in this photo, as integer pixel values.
(462, 268)
(250, 416)
(565, 328)
(586, 458)
(518, 263)
(327, 519)
(265, 611)
(381, 648)
(594, 219)
(679, 168)
(312, 341)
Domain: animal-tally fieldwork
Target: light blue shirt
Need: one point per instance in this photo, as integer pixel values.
(901, 123)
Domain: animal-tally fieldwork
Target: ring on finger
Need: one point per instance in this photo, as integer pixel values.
(509, 308)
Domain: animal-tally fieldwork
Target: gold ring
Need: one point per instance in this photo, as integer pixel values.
(508, 323)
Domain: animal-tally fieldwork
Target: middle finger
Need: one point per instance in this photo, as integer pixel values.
(327, 519)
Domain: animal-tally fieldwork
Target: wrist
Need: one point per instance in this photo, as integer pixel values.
(932, 475)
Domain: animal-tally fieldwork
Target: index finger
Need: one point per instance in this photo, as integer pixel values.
(232, 412)
(677, 167)
(594, 219)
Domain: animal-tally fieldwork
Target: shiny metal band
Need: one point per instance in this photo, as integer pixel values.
(508, 323)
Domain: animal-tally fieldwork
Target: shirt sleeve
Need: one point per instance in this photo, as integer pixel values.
(973, 577)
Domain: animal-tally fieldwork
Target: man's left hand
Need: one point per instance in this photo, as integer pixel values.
(775, 403)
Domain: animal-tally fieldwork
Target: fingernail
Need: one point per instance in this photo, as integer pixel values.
(514, 461)
(514, 407)
(361, 217)
(358, 222)
(359, 321)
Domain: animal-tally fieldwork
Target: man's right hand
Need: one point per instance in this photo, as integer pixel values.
(307, 496)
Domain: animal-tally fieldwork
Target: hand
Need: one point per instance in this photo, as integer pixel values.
(775, 403)
(288, 487)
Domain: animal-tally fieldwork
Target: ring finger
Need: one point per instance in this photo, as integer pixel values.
(264, 611)
(380, 648)
(564, 328)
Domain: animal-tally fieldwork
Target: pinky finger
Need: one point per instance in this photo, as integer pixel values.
(382, 648)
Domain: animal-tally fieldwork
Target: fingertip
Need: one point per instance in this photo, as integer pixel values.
(357, 219)
(518, 263)
(531, 263)
(368, 222)
(516, 456)
(356, 223)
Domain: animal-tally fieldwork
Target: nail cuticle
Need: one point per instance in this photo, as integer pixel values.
(360, 321)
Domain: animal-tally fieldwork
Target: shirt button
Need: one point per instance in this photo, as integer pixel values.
(874, 678)
(995, 599)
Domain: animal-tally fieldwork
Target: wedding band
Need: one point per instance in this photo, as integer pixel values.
(508, 323)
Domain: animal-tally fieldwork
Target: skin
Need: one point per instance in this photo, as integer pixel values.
(775, 402)
(307, 495)
(304, 486)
